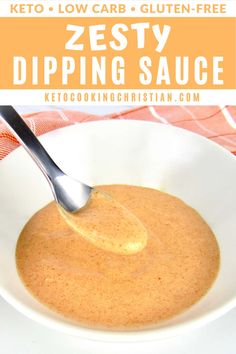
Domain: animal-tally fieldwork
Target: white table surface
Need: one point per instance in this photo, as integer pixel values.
(19, 335)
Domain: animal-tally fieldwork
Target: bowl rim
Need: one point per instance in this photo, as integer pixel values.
(128, 121)
(138, 335)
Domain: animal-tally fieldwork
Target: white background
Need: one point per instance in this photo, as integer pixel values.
(5, 6)
(19, 335)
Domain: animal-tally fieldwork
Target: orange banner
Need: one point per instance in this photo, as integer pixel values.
(116, 53)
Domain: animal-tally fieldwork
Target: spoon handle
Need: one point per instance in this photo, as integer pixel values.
(29, 141)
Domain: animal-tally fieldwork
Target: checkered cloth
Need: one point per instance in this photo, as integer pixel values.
(215, 123)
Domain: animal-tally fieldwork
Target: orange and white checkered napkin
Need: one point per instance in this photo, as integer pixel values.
(215, 123)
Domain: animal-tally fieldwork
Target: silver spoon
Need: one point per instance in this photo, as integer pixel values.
(69, 193)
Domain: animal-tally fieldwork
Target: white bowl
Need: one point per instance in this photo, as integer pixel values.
(131, 152)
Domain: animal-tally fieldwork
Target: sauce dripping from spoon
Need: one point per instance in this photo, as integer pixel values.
(108, 225)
